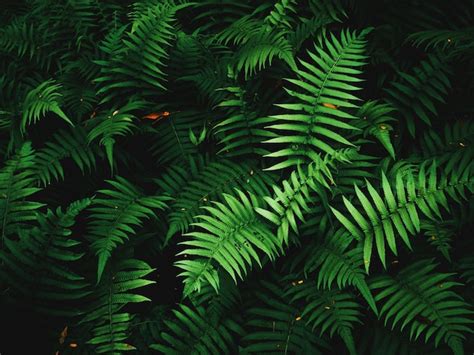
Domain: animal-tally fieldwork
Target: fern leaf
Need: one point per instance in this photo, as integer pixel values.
(396, 211)
(36, 263)
(114, 216)
(417, 291)
(41, 100)
(321, 107)
(111, 327)
(16, 185)
(229, 236)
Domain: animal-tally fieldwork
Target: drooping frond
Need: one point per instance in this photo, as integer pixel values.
(419, 298)
(116, 214)
(275, 325)
(338, 264)
(115, 123)
(375, 121)
(139, 54)
(231, 237)
(41, 100)
(242, 131)
(319, 107)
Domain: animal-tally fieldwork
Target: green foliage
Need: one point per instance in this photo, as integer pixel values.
(115, 213)
(17, 184)
(110, 324)
(326, 85)
(424, 300)
(39, 262)
(296, 175)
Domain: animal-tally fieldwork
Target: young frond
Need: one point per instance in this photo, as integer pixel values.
(319, 107)
(115, 215)
(231, 237)
(396, 211)
(424, 300)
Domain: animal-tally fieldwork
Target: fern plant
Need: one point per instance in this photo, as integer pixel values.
(290, 176)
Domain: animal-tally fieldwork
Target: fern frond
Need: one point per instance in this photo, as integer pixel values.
(396, 209)
(290, 200)
(191, 330)
(115, 123)
(459, 40)
(374, 121)
(17, 181)
(332, 311)
(276, 325)
(316, 111)
(110, 326)
(229, 236)
(414, 94)
(336, 263)
(241, 133)
(172, 144)
(65, 144)
(115, 215)
(41, 100)
(217, 178)
(418, 293)
(35, 265)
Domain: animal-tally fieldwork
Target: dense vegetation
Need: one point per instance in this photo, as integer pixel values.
(236, 176)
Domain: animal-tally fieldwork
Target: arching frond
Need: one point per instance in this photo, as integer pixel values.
(332, 311)
(65, 144)
(192, 331)
(414, 94)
